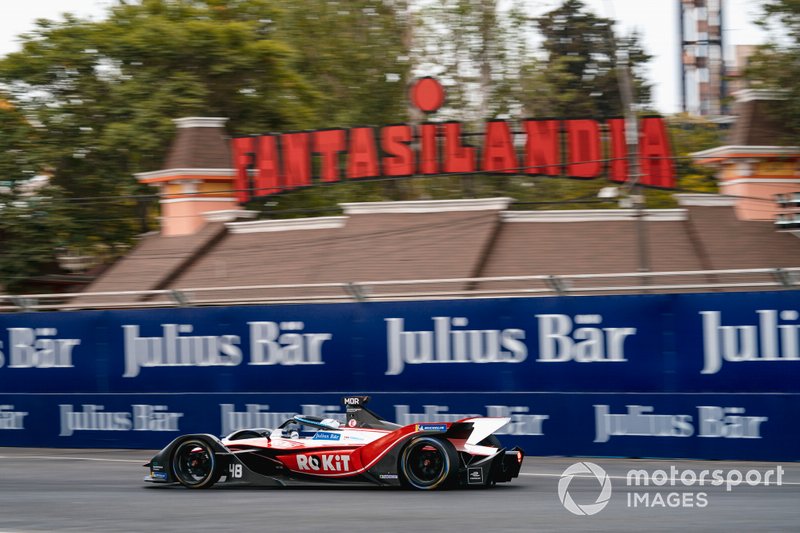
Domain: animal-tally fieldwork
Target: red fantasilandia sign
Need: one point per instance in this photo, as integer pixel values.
(542, 147)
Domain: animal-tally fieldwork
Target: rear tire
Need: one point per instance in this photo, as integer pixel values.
(428, 463)
(194, 464)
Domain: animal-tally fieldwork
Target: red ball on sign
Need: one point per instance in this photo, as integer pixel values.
(427, 94)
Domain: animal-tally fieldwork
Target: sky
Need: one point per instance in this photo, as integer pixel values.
(657, 21)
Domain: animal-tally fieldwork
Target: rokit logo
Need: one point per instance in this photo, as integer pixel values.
(37, 348)
(324, 463)
(271, 343)
(93, 417)
(11, 419)
(582, 338)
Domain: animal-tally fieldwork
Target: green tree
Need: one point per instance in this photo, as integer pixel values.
(354, 55)
(579, 75)
(33, 227)
(690, 134)
(102, 95)
(477, 48)
(776, 66)
(31, 223)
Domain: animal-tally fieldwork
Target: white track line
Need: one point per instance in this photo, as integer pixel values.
(72, 458)
(141, 461)
(675, 482)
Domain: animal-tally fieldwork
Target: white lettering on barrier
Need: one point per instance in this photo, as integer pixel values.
(640, 421)
(154, 418)
(29, 348)
(272, 343)
(559, 341)
(93, 417)
(176, 348)
(11, 419)
(445, 344)
(772, 339)
(728, 423)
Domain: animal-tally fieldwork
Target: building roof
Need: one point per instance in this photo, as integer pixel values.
(153, 264)
(757, 123)
(200, 142)
(390, 244)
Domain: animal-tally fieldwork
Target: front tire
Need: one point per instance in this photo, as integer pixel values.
(194, 464)
(428, 463)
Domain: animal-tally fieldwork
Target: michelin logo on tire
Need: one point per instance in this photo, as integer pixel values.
(584, 469)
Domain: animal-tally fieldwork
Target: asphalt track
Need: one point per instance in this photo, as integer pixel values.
(102, 491)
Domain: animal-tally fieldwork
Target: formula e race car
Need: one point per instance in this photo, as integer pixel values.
(366, 449)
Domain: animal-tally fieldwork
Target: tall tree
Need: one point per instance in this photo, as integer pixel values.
(102, 94)
(579, 75)
(477, 48)
(99, 97)
(354, 55)
(776, 65)
(32, 219)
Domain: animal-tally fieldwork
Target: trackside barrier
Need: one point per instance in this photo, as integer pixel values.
(700, 375)
(416, 289)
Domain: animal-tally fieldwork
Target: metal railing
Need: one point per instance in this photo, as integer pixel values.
(416, 289)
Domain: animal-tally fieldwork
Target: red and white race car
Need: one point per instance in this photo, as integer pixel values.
(366, 449)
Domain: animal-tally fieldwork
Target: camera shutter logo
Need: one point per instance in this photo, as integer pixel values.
(582, 469)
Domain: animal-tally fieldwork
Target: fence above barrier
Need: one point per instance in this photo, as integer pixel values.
(416, 289)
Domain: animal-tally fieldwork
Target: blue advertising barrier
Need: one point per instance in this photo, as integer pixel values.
(689, 375)
(719, 426)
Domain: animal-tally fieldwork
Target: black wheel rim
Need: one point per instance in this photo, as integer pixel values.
(426, 463)
(193, 463)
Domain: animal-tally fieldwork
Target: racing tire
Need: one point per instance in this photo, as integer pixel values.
(194, 464)
(428, 463)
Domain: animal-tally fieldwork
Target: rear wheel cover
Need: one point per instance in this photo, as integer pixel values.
(428, 463)
(195, 465)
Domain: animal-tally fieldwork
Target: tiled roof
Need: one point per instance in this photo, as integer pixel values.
(432, 245)
(199, 147)
(733, 243)
(757, 125)
(152, 264)
(370, 247)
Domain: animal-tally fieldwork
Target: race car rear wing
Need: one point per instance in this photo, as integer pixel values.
(358, 415)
